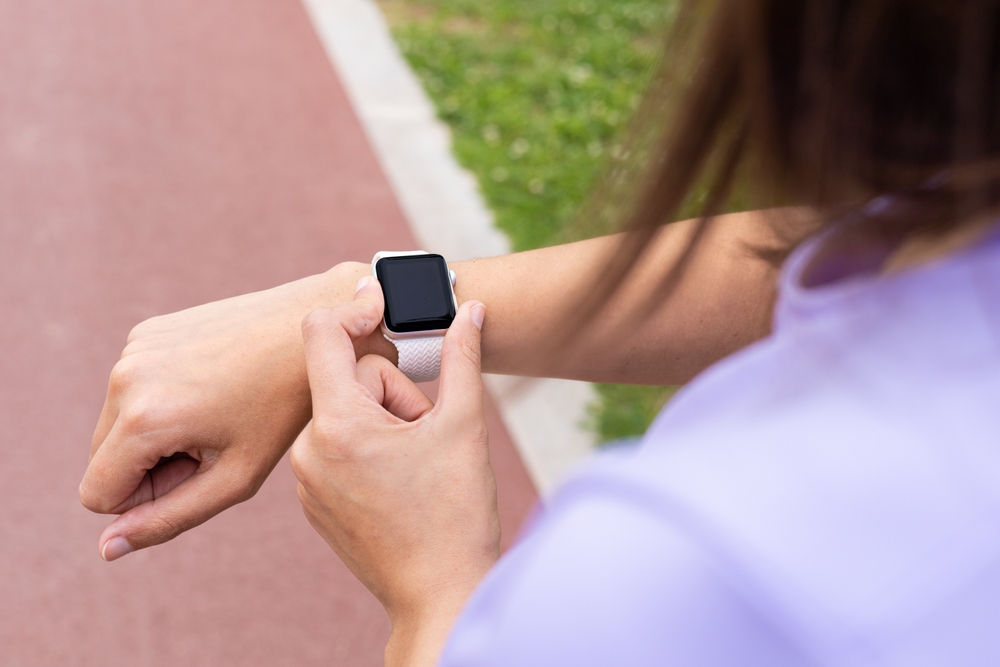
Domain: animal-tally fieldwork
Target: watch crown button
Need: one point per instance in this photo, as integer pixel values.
(453, 277)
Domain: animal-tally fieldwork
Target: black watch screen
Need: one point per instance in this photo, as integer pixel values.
(418, 294)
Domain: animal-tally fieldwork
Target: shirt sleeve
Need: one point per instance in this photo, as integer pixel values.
(602, 582)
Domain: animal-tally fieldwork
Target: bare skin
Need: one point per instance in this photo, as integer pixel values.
(204, 402)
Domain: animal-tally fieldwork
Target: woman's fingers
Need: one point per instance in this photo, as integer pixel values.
(119, 467)
(158, 492)
(329, 336)
(461, 393)
(199, 497)
(165, 476)
(158, 498)
(391, 389)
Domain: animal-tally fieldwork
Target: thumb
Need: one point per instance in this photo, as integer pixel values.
(461, 389)
(328, 336)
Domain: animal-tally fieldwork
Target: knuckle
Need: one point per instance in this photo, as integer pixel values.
(328, 430)
(313, 319)
(123, 374)
(299, 460)
(245, 493)
(332, 438)
(139, 418)
(247, 484)
(315, 322)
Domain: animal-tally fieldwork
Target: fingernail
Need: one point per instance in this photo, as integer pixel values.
(115, 548)
(478, 314)
(362, 284)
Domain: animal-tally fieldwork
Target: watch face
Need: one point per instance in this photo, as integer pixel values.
(418, 294)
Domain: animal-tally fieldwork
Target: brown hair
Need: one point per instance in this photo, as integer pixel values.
(825, 104)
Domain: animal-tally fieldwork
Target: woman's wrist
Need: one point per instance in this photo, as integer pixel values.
(423, 619)
(418, 637)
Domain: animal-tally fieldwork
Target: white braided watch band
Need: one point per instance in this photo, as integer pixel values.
(419, 358)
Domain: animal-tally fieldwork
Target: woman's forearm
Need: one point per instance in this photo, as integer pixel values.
(724, 302)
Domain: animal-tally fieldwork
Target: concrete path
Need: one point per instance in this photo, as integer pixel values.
(156, 155)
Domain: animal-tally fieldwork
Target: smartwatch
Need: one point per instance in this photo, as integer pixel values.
(420, 305)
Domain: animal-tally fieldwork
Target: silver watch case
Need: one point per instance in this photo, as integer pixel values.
(434, 333)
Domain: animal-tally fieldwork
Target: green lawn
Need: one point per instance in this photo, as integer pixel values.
(536, 94)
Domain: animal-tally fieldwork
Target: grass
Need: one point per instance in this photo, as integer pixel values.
(537, 93)
(625, 410)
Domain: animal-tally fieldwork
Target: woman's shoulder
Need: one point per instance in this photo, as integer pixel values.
(844, 473)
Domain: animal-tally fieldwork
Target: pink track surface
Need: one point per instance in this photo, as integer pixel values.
(153, 156)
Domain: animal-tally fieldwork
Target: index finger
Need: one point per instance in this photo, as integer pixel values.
(329, 335)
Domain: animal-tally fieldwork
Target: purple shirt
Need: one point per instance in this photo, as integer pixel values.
(828, 496)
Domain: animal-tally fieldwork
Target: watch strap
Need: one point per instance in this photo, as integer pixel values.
(419, 358)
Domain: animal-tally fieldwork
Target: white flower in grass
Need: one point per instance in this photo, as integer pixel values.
(579, 74)
(491, 135)
(519, 148)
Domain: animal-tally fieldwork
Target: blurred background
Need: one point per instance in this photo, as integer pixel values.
(154, 156)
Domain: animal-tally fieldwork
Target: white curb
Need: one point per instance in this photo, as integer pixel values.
(446, 212)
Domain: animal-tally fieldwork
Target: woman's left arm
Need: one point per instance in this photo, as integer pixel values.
(401, 488)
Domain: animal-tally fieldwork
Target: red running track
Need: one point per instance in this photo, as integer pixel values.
(153, 156)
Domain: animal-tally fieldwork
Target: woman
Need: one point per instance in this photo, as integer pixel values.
(827, 495)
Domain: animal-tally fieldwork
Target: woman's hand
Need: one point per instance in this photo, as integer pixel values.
(201, 407)
(402, 489)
